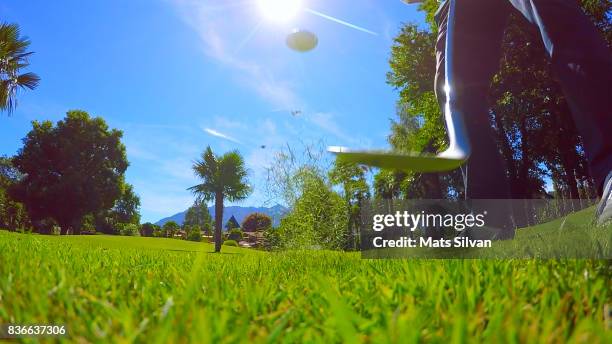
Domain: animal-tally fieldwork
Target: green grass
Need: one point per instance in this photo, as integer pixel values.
(127, 242)
(126, 289)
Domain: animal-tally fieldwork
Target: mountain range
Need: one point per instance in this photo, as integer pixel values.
(276, 213)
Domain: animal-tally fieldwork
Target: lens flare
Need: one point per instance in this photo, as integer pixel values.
(280, 10)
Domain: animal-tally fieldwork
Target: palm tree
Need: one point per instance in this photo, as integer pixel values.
(13, 58)
(223, 177)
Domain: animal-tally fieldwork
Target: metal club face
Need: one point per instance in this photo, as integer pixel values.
(396, 161)
(459, 146)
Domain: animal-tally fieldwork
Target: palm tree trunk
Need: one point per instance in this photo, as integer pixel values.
(218, 220)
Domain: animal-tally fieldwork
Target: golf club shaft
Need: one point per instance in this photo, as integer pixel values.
(459, 144)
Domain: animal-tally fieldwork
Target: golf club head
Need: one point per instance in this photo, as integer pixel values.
(399, 161)
(459, 148)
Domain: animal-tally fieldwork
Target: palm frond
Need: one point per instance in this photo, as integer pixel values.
(234, 176)
(28, 80)
(13, 58)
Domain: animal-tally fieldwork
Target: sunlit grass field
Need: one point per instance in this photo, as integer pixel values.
(152, 290)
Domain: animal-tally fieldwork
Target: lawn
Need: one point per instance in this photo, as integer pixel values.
(124, 289)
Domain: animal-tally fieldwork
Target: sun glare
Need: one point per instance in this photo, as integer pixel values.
(280, 10)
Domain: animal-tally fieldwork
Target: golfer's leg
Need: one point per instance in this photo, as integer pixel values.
(479, 27)
(583, 64)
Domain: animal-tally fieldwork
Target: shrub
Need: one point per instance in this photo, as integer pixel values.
(128, 229)
(194, 236)
(47, 226)
(192, 233)
(235, 234)
(256, 222)
(88, 226)
(271, 239)
(148, 229)
(104, 223)
(13, 215)
(317, 219)
(230, 243)
(158, 233)
(170, 228)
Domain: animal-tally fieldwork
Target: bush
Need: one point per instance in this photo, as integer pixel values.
(128, 229)
(271, 239)
(256, 222)
(148, 229)
(230, 243)
(88, 226)
(13, 215)
(235, 234)
(158, 233)
(193, 233)
(170, 228)
(318, 219)
(194, 236)
(104, 223)
(47, 226)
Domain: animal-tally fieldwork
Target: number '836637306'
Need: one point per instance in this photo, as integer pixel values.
(22, 331)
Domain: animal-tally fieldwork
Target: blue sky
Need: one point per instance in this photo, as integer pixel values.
(178, 75)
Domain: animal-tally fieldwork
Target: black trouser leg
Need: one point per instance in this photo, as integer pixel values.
(479, 28)
(583, 64)
(478, 32)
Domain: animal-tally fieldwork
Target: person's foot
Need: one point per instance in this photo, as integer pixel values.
(604, 208)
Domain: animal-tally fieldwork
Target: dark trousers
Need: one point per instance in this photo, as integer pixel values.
(581, 62)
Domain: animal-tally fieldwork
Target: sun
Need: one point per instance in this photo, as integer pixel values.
(280, 10)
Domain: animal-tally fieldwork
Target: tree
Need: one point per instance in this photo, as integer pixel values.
(127, 206)
(12, 213)
(198, 215)
(70, 170)
(13, 59)
(232, 223)
(420, 128)
(256, 222)
(355, 190)
(147, 229)
(9, 175)
(125, 211)
(170, 228)
(223, 177)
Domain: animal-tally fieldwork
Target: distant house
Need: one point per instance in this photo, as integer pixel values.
(232, 223)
